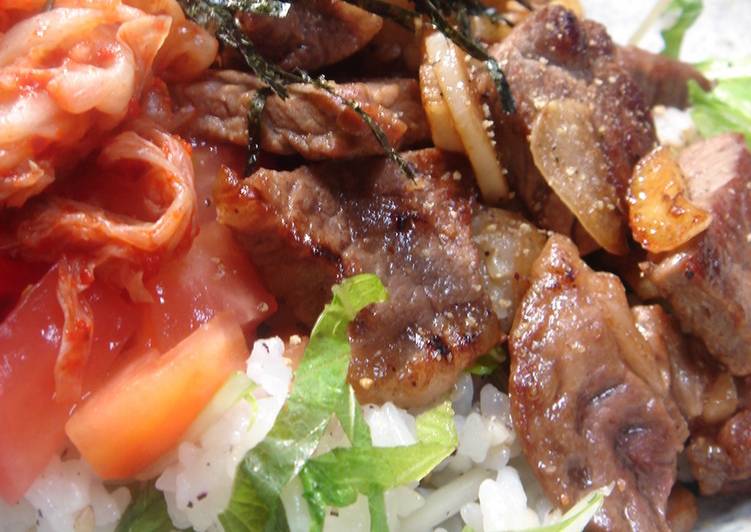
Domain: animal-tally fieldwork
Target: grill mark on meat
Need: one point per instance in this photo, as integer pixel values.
(551, 56)
(308, 228)
(584, 414)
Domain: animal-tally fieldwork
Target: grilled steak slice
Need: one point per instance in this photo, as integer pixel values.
(308, 228)
(587, 400)
(551, 56)
(662, 80)
(313, 34)
(310, 122)
(318, 126)
(708, 282)
(216, 107)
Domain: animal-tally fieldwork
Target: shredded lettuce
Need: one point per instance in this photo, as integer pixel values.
(337, 477)
(146, 513)
(320, 390)
(683, 14)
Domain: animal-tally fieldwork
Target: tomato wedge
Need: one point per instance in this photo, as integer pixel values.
(32, 422)
(214, 276)
(142, 412)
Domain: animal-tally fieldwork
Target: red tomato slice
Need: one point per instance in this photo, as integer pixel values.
(143, 411)
(32, 421)
(215, 276)
(15, 276)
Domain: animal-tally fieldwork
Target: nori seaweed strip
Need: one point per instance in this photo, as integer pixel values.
(220, 21)
(213, 15)
(439, 12)
(472, 47)
(255, 110)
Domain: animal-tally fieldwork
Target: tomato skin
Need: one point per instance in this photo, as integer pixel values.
(32, 420)
(142, 412)
(215, 276)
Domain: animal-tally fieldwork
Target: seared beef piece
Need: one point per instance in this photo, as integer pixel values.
(308, 228)
(216, 107)
(313, 34)
(587, 400)
(662, 80)
(317, 126)
(310, 122)
(553, 55)
(722, 462)
(708, 281)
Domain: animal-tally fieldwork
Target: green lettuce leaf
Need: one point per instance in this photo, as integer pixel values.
(146, 513)
(320, 390)
(337, 477)
(727, 107)
(685, 12)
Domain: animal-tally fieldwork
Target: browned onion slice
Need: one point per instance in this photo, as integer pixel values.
(442, 129)
(468, 117)
(565, 149)
(661, 216)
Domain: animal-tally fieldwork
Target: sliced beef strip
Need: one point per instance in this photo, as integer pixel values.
(662, 80)
(587, 411)
(310, 122)
(708, 282)
(317, 126)
(308, 228)
(553, 55)
(313, 34)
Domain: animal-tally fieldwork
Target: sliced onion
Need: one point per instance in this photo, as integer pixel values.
(466, 111)
(442, 128)
(565, 150)
(661, 217)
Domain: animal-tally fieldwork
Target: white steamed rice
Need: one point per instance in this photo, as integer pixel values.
(485, 484)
